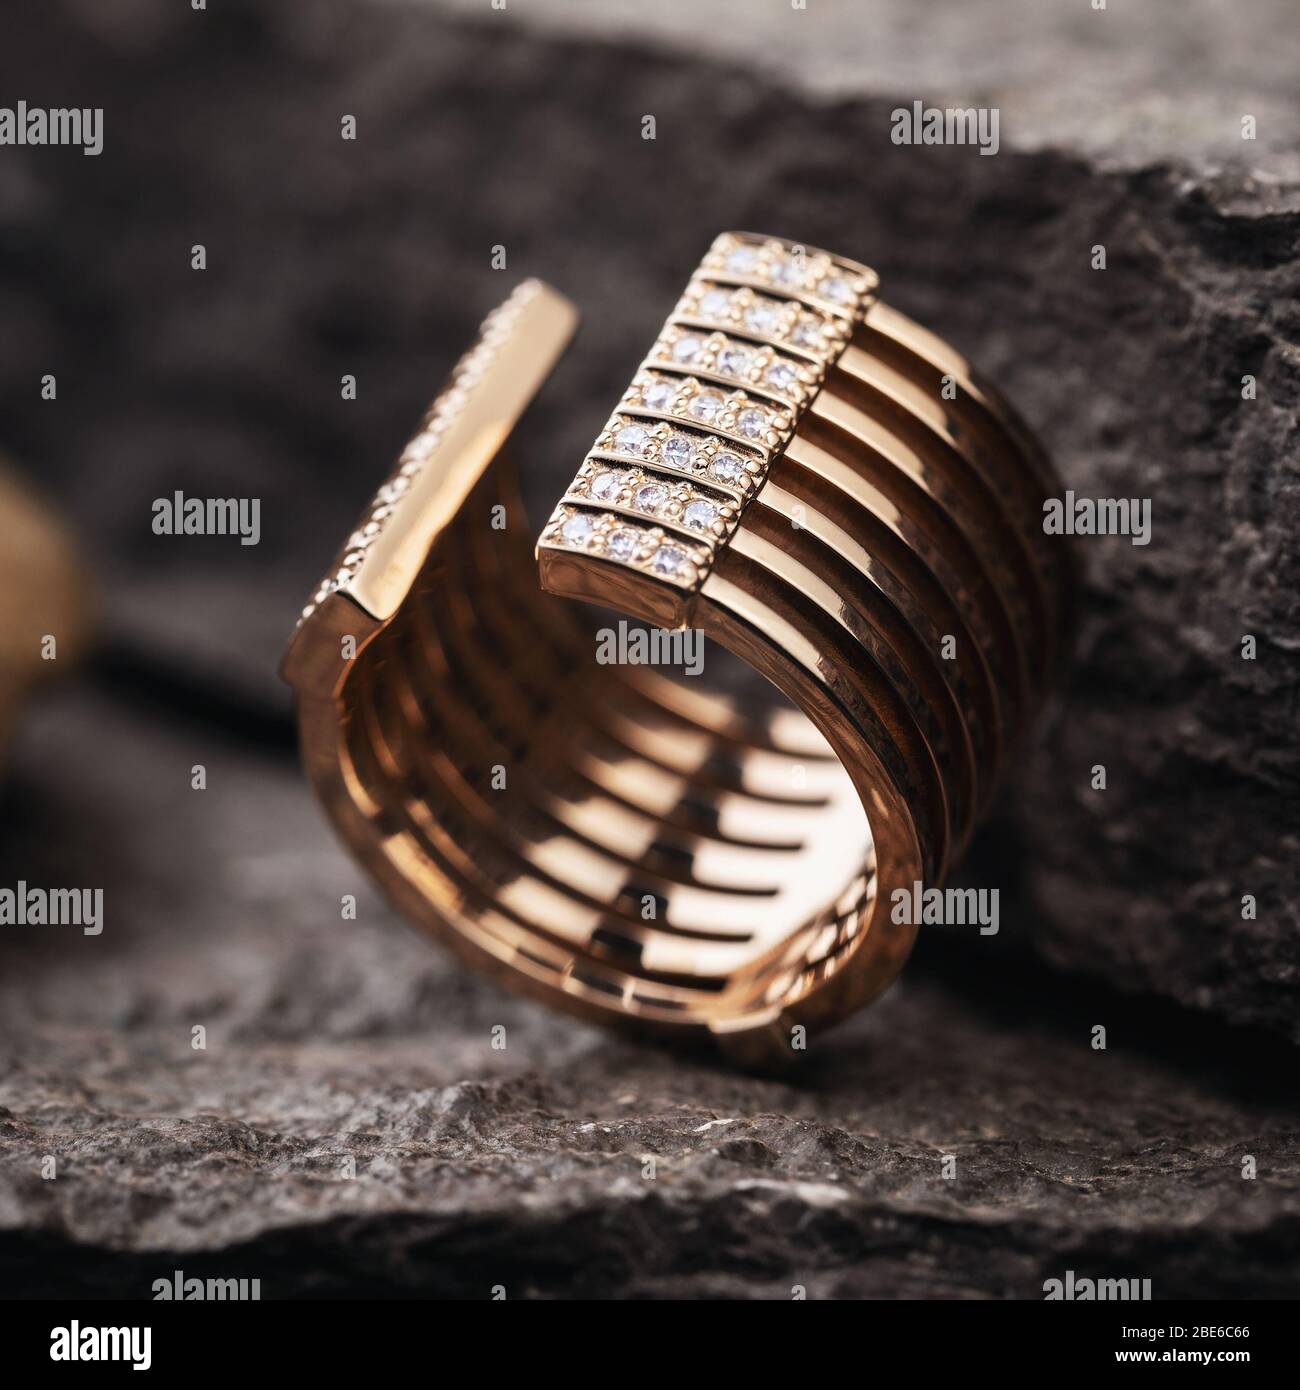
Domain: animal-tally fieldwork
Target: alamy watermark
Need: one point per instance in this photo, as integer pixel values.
(948, 907)
(63, 125)
(54, 907)
(1098, 516)
(179, 1289)
(950, 125)
(1078, 1289)
(77, 1343)
(628, 645)
(179, 515)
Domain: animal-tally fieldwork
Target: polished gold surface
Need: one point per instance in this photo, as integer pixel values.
(813, 482)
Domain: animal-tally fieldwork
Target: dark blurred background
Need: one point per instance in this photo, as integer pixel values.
(330, 1040)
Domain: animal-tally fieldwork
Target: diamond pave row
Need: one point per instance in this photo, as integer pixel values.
(467, 373)
(716, 400)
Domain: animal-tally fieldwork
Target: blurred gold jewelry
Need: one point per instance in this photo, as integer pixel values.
(45, 607)
(811, 480)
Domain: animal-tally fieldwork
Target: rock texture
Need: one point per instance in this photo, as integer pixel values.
(325, 1039)
(1123, 85)
(350, 1127)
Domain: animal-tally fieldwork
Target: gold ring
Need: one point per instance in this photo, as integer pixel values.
(801, 474)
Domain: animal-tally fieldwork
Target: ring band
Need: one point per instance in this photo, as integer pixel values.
(803, 475)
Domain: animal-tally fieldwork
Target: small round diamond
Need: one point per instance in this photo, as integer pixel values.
(706, 405)
(788, 271)
(735, 361)
(781, 377)
(715, 304)
(577, 529)
(727, 468)
(835, 288)
(658, 395)
(742, 260)
(622, 544)
(688, 348)
(808, 332)
(650, 497)
(632, 439)
(605, 486)
(700, 515)
(752, 423)
(668, 559)
(763, 316)
(679, 451)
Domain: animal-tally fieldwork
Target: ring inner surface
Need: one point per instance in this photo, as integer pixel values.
(631, 838)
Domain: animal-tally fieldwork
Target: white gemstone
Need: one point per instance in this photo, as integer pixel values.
(605, 486)
(835, 288)
(650, 497)
(700, 515)
(623, 543)
(735, 361)
(658, 395)
(679, 451)
(687, 349)
(787, 270)
(632, 439)
(706, 405)
(727, 468)
(742, 260)
(752, 423)
(715, 304)
(781, 377)
(808, 332)
(763, 317)
(577, 528)
(668, 559)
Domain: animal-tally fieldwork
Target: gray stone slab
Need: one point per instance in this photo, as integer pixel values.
(337, 1048)
(1122, 84)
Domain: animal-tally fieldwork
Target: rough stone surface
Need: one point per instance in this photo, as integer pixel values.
(1124, 85)
(473, 1167)
(329, 1042)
